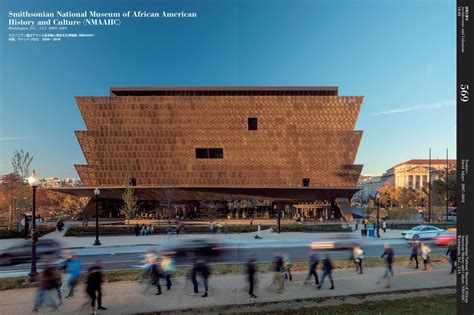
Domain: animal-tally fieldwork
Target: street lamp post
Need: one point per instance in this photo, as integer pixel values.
(377, 197)
(96, 194)
(33, 181)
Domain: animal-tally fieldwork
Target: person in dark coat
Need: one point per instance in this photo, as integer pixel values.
(327, 272)
(453, 255)
(414, 253)
(205, 271)
(313, 264)
(137, 229)
(193, 274)
(388, 252)
(60, 225)
(278, 276)
(94, 286)
(155, 274)
(251, 269)
(48, 282)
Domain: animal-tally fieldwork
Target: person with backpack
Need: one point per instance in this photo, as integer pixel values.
(168, 267)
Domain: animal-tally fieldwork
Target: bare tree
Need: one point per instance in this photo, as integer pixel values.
(169, 196)
(130, 204)
(21, 163)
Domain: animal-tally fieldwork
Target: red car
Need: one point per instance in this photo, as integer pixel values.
(446, 238)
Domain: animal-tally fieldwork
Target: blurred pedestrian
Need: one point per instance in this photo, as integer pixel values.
(388, 251)
(137, 229)
(143, 229)
(155, 275)
(60, 225)
(384, 226)
(72, 268)
(94, 286)
(193, 274)
(287, 265)
(327, 272)
(358, 254)
(453, 255)
(414, 252)
(168, 267)
(251, 269)
(205, 270)
(312, 272)
(425, 254)
(47, 284)
(278, 277)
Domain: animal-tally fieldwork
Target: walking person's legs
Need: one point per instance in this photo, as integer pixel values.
(322, 279)
(38, 300)
(168, 281)
(360, 266)
(316, 280)
(205, 281)
(332, 280)
(92, 295)
(99, 299)
(195, 284)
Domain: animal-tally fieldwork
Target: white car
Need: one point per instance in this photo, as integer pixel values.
(422, 232)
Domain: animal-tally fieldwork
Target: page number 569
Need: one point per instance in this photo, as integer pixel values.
(464, 94)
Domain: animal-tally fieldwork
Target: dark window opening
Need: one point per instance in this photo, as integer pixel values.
(212, 153)
(305, 182)
(216, 153)
(253, 123)
(132, 181)
(202, 154)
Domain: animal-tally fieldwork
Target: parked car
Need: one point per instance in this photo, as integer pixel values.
(422, 232)
(21, 251)
(446, 238)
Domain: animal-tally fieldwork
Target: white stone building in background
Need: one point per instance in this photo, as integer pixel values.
(414, 174)
(368, 185)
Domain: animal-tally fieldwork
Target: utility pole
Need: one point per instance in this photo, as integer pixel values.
(429, 189)
(447, 188)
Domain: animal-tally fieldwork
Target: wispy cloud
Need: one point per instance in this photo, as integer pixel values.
(450, 103)
(16, 138)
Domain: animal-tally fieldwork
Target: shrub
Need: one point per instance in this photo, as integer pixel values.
(313, 228)
(18, 233)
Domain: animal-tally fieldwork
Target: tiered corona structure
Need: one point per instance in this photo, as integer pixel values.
(225, 143)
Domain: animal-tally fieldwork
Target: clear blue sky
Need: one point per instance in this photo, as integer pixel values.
(400, 55)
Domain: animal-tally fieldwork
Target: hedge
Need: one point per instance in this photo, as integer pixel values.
(161, 229)
(15, 233)
(313, 228)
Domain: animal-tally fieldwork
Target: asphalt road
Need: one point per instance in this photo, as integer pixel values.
(232, 254)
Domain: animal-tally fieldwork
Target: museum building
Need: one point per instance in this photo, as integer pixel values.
(245, 151)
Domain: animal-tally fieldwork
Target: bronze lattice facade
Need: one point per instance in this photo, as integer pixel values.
(222, 143)
(303, 137)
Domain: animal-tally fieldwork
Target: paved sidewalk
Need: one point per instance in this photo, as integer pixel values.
(128, 297)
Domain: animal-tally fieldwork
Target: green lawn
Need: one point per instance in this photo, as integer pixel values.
(438, 305)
